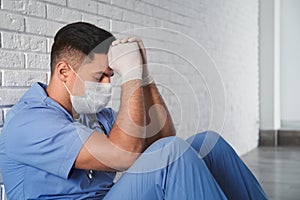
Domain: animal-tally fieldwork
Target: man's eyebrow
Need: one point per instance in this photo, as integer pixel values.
(101, 72)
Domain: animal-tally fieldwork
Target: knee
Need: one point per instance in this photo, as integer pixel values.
(167, 142)
(207, 141)
(217, 143)
(209, 133)
(209, 137)
(160, 154)
(202, 135)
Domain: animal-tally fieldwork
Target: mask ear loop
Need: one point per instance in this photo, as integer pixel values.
(75, 73)
(67, 88)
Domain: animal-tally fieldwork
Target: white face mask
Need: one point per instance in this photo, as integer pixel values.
(96, 97)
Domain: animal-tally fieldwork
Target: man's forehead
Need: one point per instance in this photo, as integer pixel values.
(97, 63)
(98, 58)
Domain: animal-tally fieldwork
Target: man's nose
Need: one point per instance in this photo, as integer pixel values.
(108, 73)
(105, 79)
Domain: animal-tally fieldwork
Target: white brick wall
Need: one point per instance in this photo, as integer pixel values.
(23, 42)
(11, 21)
(227, 29)
(11, 59)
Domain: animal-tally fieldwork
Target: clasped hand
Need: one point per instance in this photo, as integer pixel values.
(127, 57)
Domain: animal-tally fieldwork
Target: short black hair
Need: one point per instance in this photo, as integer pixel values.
(79, 37)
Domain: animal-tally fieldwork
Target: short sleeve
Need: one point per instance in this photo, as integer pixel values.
(114, 114)
(45, 139)
(107, 118)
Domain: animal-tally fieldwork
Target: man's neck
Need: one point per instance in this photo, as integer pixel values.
(58, 93)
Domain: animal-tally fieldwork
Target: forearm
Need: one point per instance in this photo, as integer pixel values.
(159, 116)
(128, 131)
(126, 140)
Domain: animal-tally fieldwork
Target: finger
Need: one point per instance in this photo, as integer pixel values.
(116, 42)
(139, 41)
(142, 47)
(124, 40)
(141, 44)
(134, 39)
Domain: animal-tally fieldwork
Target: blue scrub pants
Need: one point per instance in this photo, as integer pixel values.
(203, 167)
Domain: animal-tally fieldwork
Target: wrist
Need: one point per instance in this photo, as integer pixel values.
(147, 80)
(135, 73)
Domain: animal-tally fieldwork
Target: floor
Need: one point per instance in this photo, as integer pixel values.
(278, 171)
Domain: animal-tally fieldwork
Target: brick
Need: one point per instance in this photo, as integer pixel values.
(60, 2)
(186, 11)
(121, 26)
(42, 26)
(103, 1)
(152, 33)
(97, 20)
(129, 4)
(174, 17)
(144, 8)
(28, 7)
(172, 25)
(110, 11)
(122, 34)
(63, 14)
(50, 42)
(11, 21)
(161, 4)
(87, 5)
(157, 3)
(9, 96)
(10, 59)
(140, 19)
(17, 41)
(38, 61)
(160, 13)
(23, 78)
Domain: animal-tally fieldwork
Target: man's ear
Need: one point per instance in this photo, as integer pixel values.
(63, 71)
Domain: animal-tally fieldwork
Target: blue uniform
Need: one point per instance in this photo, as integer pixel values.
(40, 142)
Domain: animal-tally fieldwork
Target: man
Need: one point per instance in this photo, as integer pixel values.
(61, 142)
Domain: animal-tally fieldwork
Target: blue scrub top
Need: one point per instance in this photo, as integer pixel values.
(39, 144)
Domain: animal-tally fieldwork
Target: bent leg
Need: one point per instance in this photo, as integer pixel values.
(233, 176)
(168, 169)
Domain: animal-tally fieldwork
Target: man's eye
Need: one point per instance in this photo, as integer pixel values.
(98, 78)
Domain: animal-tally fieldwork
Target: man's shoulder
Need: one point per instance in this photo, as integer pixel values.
(35, 105)
(37, 92)
(33, 116)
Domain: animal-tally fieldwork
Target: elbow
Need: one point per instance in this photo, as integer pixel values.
(127, 161)
(125, 156)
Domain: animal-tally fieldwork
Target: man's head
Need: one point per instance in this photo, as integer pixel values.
(79, 54)
(78, 42)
